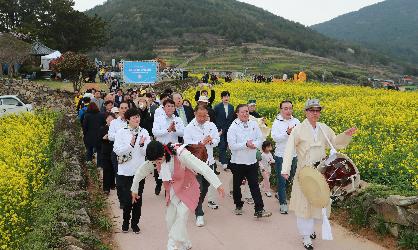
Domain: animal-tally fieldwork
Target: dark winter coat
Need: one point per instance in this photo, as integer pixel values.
(91, 125)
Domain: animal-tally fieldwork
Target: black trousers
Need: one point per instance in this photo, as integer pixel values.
(90, 152)
(108, 174)
(249, 172)
(204, 185)
(99, 156)
(158, 182)
(114, 159)
(125, 184)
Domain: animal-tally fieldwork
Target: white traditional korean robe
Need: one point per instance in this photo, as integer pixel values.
(308, 152)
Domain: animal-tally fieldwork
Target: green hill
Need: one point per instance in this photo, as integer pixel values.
(390, 26)
(256, 58)
(139, 27)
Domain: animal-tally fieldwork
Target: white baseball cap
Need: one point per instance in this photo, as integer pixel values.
(203, 98)
(114, 110)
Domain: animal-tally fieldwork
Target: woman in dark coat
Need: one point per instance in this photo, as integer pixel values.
(146, 118)
(92, 121)
(106, 159)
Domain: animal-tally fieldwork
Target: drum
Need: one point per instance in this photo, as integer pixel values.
(340, 173)
(198, 150)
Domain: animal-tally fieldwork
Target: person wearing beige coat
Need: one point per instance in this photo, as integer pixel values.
(308, 139)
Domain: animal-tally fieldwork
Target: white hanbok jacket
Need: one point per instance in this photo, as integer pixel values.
(308, 152)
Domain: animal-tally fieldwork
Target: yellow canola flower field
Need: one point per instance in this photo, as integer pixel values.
(385, 149)
(24, 156)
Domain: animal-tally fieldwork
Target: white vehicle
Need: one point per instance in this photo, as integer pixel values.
(12, 104)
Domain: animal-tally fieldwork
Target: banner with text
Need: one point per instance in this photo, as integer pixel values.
(140, 72)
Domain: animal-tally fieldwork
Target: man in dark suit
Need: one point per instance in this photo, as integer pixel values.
(224, 113)
(186, 113)
(118, 98)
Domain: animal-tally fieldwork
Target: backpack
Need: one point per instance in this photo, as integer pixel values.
(81, 113)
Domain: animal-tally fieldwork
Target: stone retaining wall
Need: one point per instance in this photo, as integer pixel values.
(392, 214)
(397, 211)
(38, 95)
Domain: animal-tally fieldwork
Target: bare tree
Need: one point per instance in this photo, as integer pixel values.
(13, 51)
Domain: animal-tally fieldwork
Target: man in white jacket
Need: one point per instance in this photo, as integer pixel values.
(244, 137)
(130, 147)
(202, 131)
(168, 128)
(280, 132)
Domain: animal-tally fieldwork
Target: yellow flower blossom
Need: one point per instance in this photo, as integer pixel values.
(24, 143)
(385, 149)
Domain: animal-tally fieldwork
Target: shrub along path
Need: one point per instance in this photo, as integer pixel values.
(223, 229)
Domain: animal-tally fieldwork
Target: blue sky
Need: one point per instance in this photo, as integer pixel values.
(306, 12)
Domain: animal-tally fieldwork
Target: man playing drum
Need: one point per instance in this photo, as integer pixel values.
(310, 142)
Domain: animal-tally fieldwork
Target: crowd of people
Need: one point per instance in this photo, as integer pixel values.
(134, 134)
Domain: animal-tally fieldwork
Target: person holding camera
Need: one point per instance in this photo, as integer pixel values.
(204, 92)
(177, 167)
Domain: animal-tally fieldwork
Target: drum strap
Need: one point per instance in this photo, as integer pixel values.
(333, 150)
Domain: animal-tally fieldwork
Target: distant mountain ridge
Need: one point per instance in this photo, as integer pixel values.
(390, 26)
(142, 25)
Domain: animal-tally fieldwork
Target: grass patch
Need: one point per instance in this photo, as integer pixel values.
(408, 239)
(68, 86)
(101, 222)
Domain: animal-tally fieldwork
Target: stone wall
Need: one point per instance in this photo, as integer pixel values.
(392, 214)
(397, 211)
(38, 95)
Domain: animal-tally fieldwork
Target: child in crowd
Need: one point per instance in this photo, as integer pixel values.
(265, 166)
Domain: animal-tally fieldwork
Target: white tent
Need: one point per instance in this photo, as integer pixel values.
(45, 60)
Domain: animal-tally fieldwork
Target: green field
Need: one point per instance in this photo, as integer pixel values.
(255, 59)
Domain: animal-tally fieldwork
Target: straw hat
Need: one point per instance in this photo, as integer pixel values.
(263, 127)
(314, 187)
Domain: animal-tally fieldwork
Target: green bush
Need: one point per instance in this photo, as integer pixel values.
(29, 69)
(408, 239)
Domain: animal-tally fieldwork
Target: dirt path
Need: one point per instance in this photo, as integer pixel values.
(223, 229)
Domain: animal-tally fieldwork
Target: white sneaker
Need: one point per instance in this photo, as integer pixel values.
(283, 208)
(200, 222)
(212, 205)
(307, 242)
(187, 245)
(268, 194)
(225, 167)
(171, 245)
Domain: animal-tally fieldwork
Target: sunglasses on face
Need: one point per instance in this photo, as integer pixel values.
(314, 110)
